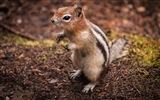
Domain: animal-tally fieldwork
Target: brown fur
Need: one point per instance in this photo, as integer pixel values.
(85, 55)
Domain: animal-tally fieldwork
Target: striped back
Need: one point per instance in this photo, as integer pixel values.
(101, 42)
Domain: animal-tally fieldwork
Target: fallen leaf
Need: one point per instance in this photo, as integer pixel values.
(21, 56)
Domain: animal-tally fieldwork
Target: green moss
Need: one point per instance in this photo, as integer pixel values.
(15, 39)
(48, 43)
(143, 51)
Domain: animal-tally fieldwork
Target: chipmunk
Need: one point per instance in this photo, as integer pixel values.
(91, 50)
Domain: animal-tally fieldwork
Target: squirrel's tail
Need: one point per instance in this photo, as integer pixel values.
(118, 49)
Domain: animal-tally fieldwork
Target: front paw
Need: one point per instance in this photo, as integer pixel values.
(70, 46)
(59, 37)
(66, 47)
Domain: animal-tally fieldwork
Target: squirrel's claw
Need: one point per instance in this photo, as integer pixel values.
(75, 74)
(66, 47)
(88, 87)
(59, 37)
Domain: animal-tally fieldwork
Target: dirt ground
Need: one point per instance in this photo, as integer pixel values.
(41, 72)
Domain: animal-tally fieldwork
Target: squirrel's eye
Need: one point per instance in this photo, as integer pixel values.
(66, 17)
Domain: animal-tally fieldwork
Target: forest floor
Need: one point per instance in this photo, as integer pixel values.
(38, 69)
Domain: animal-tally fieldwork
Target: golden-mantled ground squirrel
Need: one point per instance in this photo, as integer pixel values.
(91, 50)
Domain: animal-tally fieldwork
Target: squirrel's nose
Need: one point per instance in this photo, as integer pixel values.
(52, 20)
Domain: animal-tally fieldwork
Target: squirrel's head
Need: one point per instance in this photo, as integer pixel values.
(68, 17)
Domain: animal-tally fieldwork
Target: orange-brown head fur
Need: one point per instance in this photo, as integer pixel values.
(75, 24)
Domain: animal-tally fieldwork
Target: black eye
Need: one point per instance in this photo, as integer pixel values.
(66, 17)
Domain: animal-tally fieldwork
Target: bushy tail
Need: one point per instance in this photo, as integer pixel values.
(117, 49)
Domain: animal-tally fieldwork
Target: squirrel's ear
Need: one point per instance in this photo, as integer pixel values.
(78, 11)
(75, 4)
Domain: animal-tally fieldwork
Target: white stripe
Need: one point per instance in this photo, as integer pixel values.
(99, 37)
(107, 49)
(96, 27)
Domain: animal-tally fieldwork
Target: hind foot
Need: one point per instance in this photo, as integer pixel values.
(88, 87)
(75, 74)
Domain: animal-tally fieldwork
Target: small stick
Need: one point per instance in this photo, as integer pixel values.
(28, 36)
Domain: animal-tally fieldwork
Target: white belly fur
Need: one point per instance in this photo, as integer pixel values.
(91, 64)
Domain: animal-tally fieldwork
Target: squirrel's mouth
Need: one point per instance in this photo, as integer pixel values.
(56, 22)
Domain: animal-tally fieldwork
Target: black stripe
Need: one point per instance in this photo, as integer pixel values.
(101, 47)
(102, 37)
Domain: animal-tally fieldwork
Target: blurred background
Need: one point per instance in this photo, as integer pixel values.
(31, 18)
(38, 70)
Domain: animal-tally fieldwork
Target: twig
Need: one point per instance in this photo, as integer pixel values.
(28, 36)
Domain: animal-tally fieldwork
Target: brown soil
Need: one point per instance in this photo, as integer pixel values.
(41, 73)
